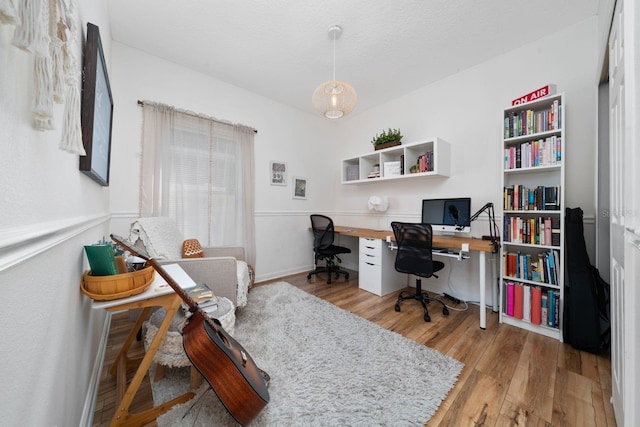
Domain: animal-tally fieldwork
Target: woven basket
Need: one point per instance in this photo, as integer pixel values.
(117, 285)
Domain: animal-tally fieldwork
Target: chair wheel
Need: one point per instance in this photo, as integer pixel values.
(398, 308)
(427, 318)
(445, 311)
(308, 276)
(346, 277)
(329, 280)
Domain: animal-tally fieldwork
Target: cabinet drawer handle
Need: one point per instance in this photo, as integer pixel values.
(368, 263)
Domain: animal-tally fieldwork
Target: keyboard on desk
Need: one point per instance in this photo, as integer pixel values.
(443, 251)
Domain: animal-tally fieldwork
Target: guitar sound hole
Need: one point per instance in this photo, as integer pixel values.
(213, 329)
(223, 338)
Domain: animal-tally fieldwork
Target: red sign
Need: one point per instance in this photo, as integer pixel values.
(538, 93)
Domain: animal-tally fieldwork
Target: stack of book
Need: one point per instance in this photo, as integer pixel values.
(204, 298)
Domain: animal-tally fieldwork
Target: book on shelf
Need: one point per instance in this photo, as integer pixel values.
(544, 310)
(551, 198)
(555, 231)
(526, 303)
(510, 298)
(547, 231)
(536, 305)
(518, 300)
(551, 308)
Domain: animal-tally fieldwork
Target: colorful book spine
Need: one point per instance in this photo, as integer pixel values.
(518, 300)
(510, 299)
(526, 303)
(536, 305)
(544, 309)
(551, 309)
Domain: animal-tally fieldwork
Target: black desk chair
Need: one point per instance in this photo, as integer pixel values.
(414, 257)
(323, 247)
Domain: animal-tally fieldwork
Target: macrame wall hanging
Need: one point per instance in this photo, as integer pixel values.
(48, 29)
(9, 13)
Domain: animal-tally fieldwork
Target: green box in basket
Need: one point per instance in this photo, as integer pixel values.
(102, 260)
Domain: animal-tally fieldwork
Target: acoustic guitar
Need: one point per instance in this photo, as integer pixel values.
(230, 371)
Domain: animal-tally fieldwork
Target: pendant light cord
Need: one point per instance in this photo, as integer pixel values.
(334, 57)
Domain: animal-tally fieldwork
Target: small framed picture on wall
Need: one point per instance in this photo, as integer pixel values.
(278, 173)
(299, 187)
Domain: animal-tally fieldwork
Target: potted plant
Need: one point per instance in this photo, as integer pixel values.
(388, 138)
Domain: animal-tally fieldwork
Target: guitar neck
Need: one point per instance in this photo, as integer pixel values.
(171, 282)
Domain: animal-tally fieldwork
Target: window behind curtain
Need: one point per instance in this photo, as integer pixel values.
(198, 171)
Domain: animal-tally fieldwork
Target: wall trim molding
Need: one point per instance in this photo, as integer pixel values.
(587, 219)
(22, 243)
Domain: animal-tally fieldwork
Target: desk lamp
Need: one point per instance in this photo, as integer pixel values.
(494, 231)
(378, 204)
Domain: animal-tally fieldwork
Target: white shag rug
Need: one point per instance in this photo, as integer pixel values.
(328, 367)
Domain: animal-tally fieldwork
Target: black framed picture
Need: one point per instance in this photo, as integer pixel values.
(97, 110)
(299, 187)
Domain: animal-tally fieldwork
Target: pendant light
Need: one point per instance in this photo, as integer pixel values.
(334, 99)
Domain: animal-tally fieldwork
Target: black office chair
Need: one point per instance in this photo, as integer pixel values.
(323, 247)
(414, 256)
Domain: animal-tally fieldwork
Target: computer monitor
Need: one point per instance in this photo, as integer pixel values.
(448, 215)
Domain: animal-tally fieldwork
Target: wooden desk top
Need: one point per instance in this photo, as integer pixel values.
(453, 242)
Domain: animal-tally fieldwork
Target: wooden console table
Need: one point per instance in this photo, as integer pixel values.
(158, 295)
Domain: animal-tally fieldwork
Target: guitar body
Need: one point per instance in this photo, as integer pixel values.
(227, 367)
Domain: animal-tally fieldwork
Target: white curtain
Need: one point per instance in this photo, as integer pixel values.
(199, 171)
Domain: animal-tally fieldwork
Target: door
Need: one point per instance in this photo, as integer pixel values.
(625, 216)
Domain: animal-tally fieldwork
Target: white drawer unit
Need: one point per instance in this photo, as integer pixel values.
(377, 273)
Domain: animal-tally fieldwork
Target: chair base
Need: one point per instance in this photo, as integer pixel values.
(424, 299)
(330, 268)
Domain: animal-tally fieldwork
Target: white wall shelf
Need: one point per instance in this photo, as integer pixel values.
(437, 162)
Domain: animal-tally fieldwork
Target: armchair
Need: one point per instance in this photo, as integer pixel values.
(222, 268)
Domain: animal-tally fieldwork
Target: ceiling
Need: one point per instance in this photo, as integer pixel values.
(280, 49)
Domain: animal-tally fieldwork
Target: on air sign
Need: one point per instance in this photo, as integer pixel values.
(536, 94)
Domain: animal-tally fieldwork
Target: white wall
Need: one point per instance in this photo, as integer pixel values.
(49, 210)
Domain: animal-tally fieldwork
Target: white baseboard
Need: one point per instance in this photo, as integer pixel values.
(88, 409)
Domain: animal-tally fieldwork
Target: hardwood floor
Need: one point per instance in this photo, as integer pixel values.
(511, 377)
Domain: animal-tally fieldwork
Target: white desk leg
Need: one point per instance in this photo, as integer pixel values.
(483, 286)
(494, 286)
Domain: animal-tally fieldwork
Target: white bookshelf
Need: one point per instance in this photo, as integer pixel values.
(522, 221)
(355, 170)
